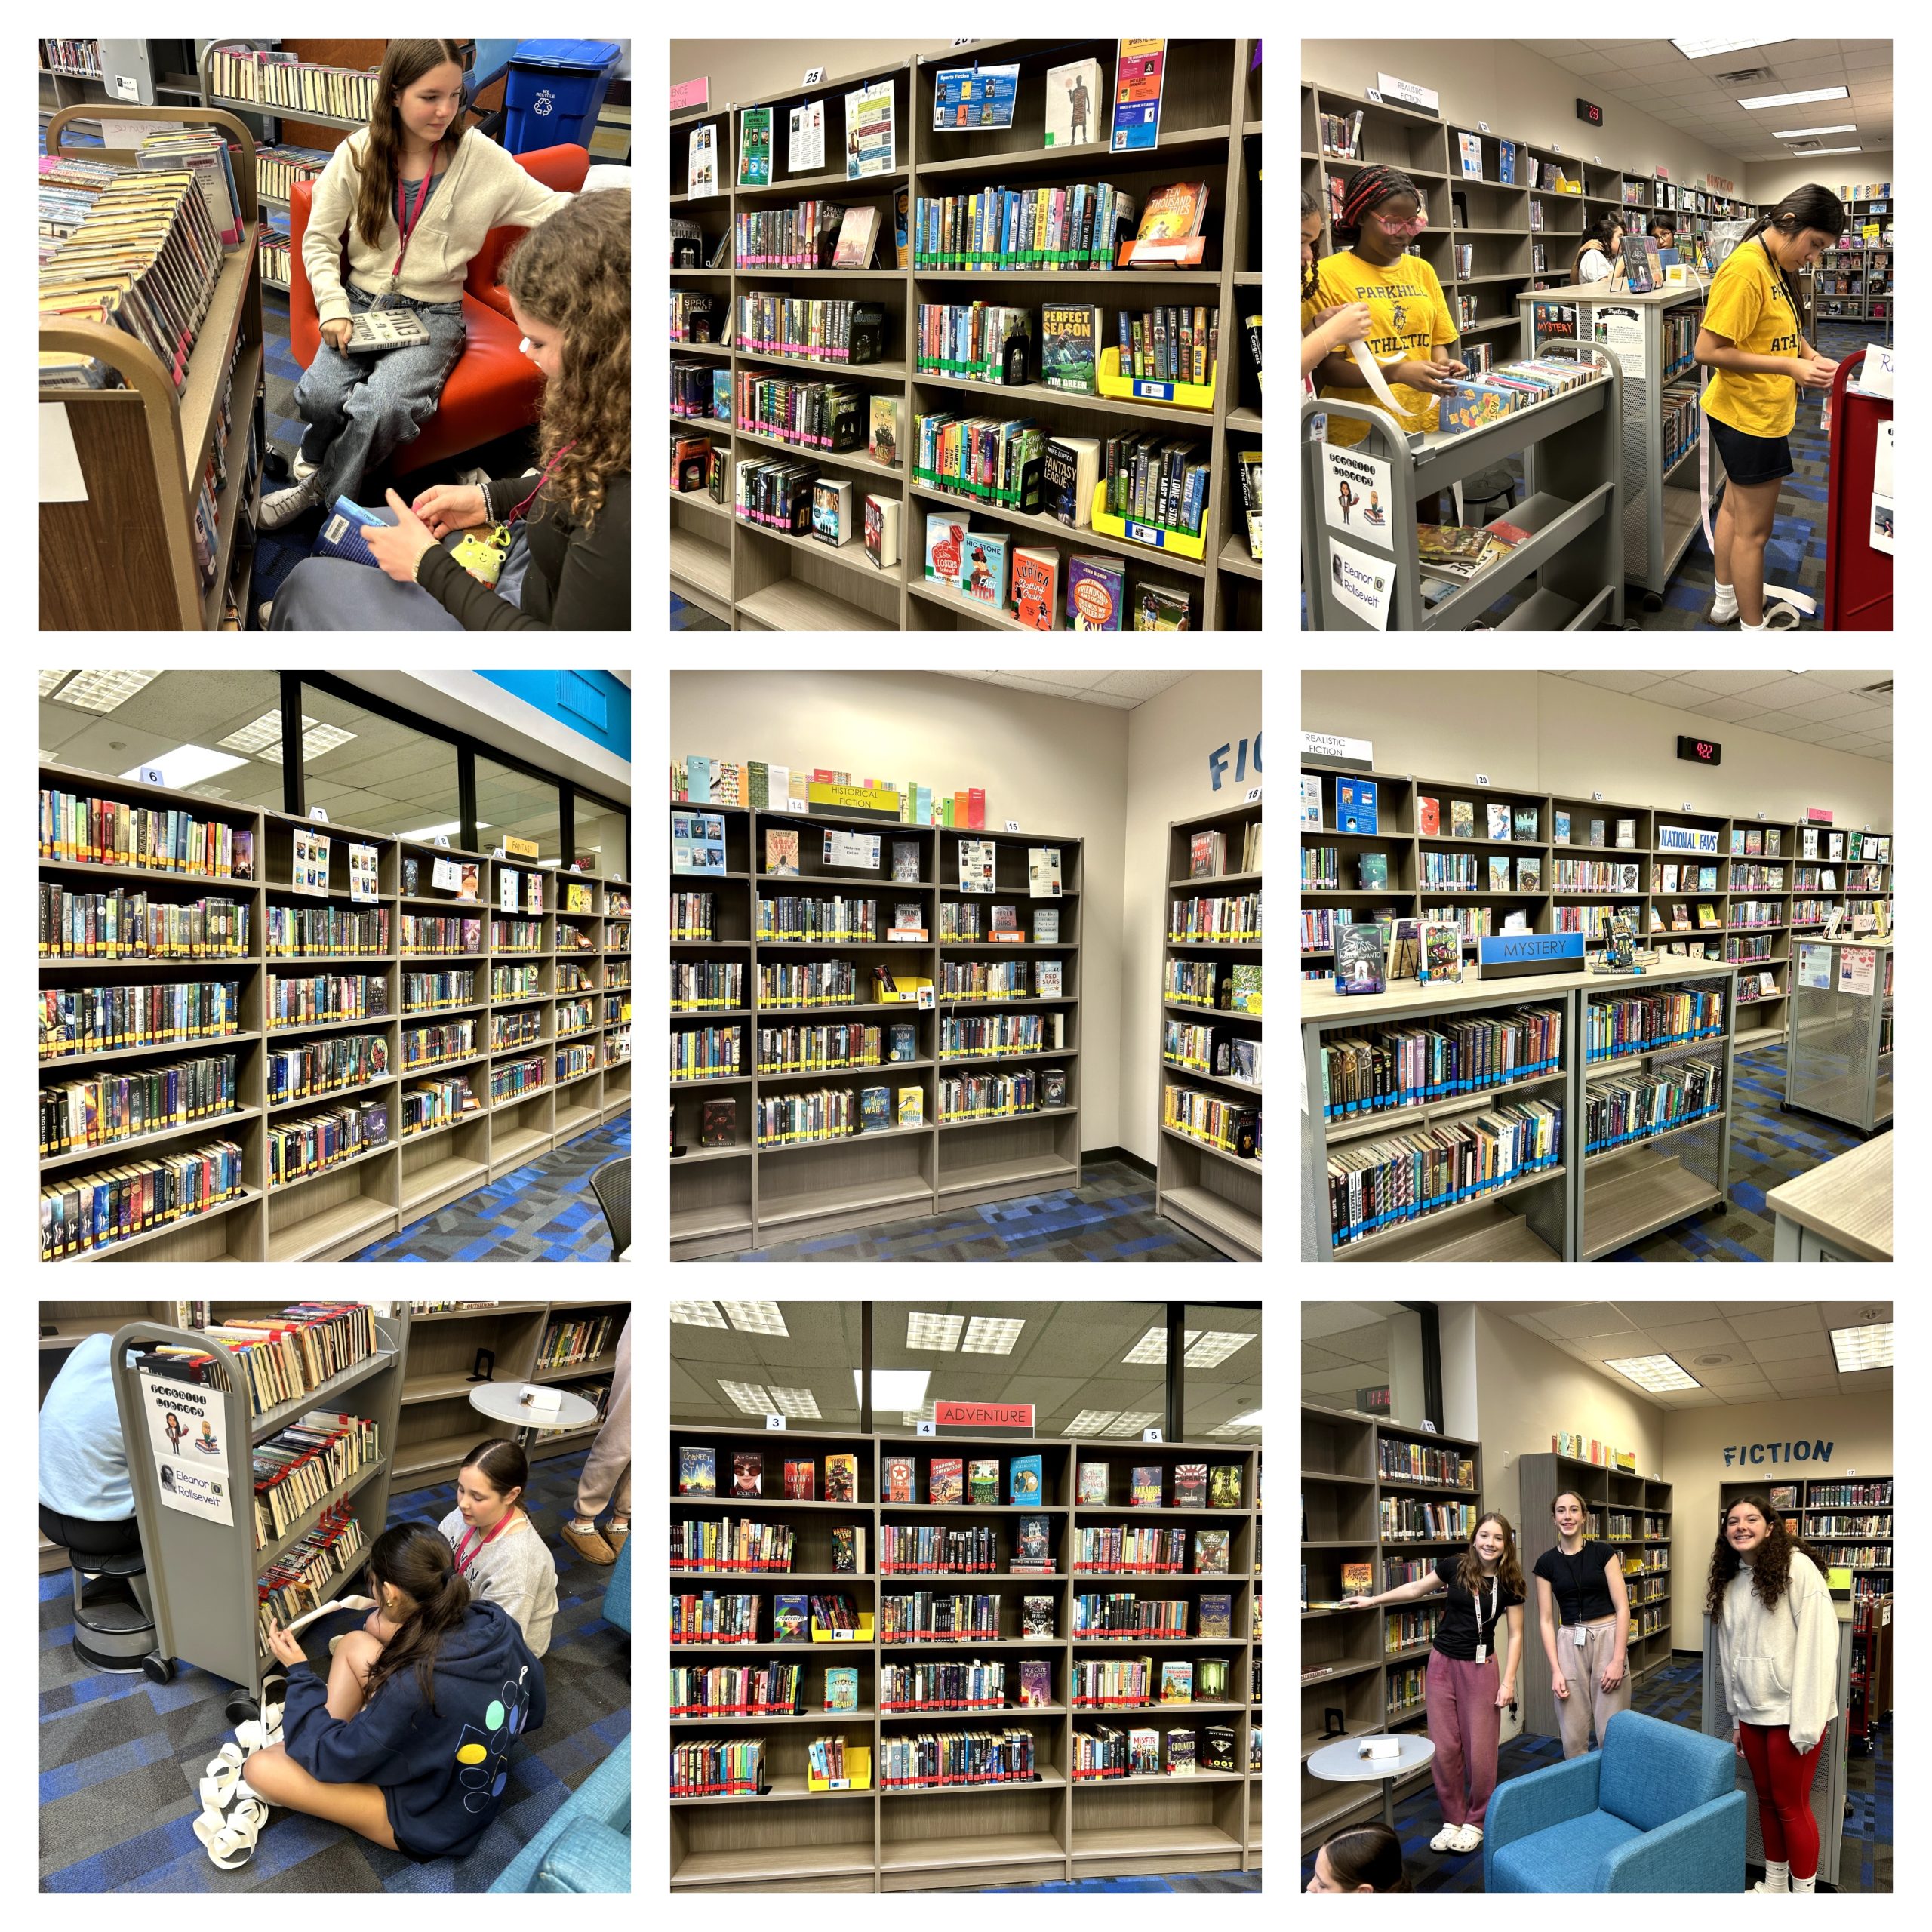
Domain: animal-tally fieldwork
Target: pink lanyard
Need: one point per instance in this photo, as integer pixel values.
(540, 482)
(465, 1556)
(406, 219)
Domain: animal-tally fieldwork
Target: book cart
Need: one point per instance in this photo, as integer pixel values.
(726, 1198)
(755, 579)
(1839, 1059)
(1210, 1190)
(1631, 1511)
(1055, 1828)
(140, 450)
(1575, 548)
(1858, 577)
(335, 1211)
(1662, 501)
(1352, 1660)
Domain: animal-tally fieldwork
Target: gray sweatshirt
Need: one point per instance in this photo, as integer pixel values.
(516, 1571)
(1780, 1665)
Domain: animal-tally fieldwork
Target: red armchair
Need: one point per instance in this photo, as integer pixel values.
(494, 388)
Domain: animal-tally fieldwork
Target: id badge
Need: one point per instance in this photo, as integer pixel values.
(389, 299)
(1482, 1653)
(1580, 1636)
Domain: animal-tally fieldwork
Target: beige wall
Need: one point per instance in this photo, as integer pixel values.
(1543, 733)
(1858, 1428)
(1169, 741)
(1770, 179)
(754, 70)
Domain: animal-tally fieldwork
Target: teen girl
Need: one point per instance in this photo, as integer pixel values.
(1465, 1701)
(1334, 328)
(1581, 1582)
(1602, 243)
(1750, 337)
(498, 1551)
(1361, 1858)
(1778, 1644)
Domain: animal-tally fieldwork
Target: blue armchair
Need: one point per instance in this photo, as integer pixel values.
(1656, 1810)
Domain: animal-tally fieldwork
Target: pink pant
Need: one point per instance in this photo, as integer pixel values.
(1464, 1725)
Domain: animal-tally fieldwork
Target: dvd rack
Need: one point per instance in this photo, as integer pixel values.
(1202, 1182)
(336, 1210)
(1049, 1828)
(754, 578)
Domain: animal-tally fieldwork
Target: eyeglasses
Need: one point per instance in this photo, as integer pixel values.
(1414, 227)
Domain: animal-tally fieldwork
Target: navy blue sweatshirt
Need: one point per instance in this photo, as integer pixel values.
(442, 1775)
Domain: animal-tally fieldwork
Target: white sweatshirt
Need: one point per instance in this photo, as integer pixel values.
(1780, 1665)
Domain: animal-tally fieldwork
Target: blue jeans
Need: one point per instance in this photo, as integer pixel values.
(329, 593)
(360, 408)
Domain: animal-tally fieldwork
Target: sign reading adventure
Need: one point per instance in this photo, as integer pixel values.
(1014, 1419)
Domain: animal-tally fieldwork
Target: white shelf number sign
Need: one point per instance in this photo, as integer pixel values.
(812, 76)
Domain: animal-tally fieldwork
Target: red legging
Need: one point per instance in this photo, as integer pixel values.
(1783, 1779)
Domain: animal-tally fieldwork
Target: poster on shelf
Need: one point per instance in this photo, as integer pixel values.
(1358, 494)
(310, 864)
(1138, 74)
(701, 168)
(1620, 330)
(805, 148)
(1363, 583)
(1858, 970)
(1814, 966)
(755, 148)
(362, 874)
(869, 131)
(187, 1436)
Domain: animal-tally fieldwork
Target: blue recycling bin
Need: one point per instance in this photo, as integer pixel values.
(554, 90)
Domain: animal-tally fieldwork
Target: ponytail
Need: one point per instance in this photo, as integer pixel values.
(1811, 206)
(418, 1562)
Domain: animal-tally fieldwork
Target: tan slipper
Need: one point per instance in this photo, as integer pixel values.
(616, 1538)
(588, 1545)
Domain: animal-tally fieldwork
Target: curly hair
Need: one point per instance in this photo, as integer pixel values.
(1508, 1565)
(405, 64)
(573, 273)
(1770, 1568)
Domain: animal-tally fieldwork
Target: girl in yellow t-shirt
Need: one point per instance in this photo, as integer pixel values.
(1750, 337)
(1334, 328)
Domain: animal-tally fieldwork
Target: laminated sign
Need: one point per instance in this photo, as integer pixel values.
(187, 1433)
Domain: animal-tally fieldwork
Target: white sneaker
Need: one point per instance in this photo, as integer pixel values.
(1471, 1838)
(300, 470)
(283, 506)
(1447, 1839)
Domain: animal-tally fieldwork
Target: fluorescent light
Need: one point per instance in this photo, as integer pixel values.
(1863, 1348)
(1215, 1345)
(697, 1314)
(104, 690)
(755, 1317)
(1090, 1422)
(1796, 99)
(750, 1397)
(1809, 152)
(50, 681)
(1701, 50)
(267, 730)
(1654, 1372)
(1795, 133)
(315, 741)
(990, 1335)
(938, 1332)
(895, 1388)
(188, 764)
(1131, 1422)
(1152, 1346)
(800, 1402)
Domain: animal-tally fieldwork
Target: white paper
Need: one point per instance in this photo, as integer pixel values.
(445, 872)
(187, 1436)
(806, 148)
(1620, 330)
(1814, 966)
(1880, 532)
(506, 889)
(60, 478)
(1362, 582)
(362, 873)
(975, 865)
(852, 848)
(1357, 494)
(1881, 461)
(701, 172)
(870, 132)
(1858, 967)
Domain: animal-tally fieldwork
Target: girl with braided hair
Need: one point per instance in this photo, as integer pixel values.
(1334, 328)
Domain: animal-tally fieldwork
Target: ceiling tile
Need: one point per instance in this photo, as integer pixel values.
(1846, 705)
(1692, 1336)
(1586, 1318)
(1857, 743)
(1851, 1314)
(1807, 1350)
(1851, 680)
(1782, 693)
(1614, 681)
(1734, 1375)
(1726, 683)
(1677, 693)
(1803, 1319)
(1651, 1314)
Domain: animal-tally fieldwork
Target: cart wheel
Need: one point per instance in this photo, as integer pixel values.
(1652, 602)
(241, 1708)
(159, 1669)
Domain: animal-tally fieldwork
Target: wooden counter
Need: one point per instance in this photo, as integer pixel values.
(1846, 1204)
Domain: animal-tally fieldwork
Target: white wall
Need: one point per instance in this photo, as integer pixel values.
(1770, 178)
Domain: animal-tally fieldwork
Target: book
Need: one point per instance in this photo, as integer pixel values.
(791, 1620)
(882, 442)
(1358, 960)
(982, 1480)
(801, 1479)
(1216, 1614)
(1025, 1480)
(912, 1107)
(1069, 470)
(1374, 868)
(882, 520)
(1036, 587)
(1499, 874)
(1174, 213)
(1462, 819)
(946, 1479)
(857, 237)
(1596, 831)
(1181, 1752)
(1036, 1682)
(1440, 944)
(848, 1551)
(1357, 1581)
(1217, 1747)
(1429, 816)
(841, 1686)
(1248, 462)
(747, 1473)
(1224, 1486)
(1093, 1482)
(1073, 93)
(984, 568)
(1526, 875)
(1143, 1752)
(1145, 1492)
(1190, 1486)
(1499, 820)
(841, 1478)
(1095, 586)
(1210, 1553)
(1177, 1681)
(945, 537)
(1525, 822)
(1046, 925)
(1070, 347)
(697, 1472)
(1036, 1616)
(781, 852)
(1627, 833)
(899, 1480)
(1031, 1546)
(832, 510)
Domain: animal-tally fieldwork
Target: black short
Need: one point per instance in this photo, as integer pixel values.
(1749, 459)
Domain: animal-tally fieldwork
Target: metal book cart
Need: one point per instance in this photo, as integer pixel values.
(1838, 1052)
(1574, 510)
(1661, 502)
(203, 1573)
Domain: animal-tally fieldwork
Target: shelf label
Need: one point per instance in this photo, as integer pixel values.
(1253, 796)
(812, 76)
(1596, 797)
(1761, 814)
(442, 839)
(319, 814)
(1152, 1435)
(797, 805)
(775, 1422)
(927, 1428)
(1482, 778)
(1482, 127)
(1013, 825)
(151, 775)
(967, 42)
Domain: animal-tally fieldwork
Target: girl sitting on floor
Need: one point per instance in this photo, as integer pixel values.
(499, 1552)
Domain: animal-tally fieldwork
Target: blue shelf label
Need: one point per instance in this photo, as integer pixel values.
(1155, 391)
(1152, 533)
(1552, 950)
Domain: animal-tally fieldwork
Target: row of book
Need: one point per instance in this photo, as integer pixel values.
(89, 1020)
(298, 1148)
(125, 1104)
(925, 1616)
(325, 1065)
(80, 1214)
(76, 830)
(1848, 1496)
(726, 1689)
(822, 330)
(505, 982)
(330, 930)
(1227, 987)
(1230, 1125)
(1125, 1550)
(1418, 1462)
(296, 1469)
(1207, 852)
(518, 1078)
(729, 1545)
(828, 416)
(719, 1767)
(573, 1016)
(1400, 1066)
(567, 1343)
(936, 1761)
(435, 1103)
(1100, 1683)
(1408, 1519)
(787, 918)
(1024, 1090)
(573, 1062)
(809, 982)
(707, 1052)
(1510, 387)
(697, 1475)
(710, 1617)
(700, 390)
(945, 1683)
(126, 924)
(328, 997)
(301, 1578)
(1633, 1022)
(933, 1549)
(1634, 1106)
(1142, 1752)
(425, 1046)
(816, 1049)
(832, 1113)
(812, 235)
(1039, 230)
(1232, 917)
(432, 932)
(282, 80)
(423, 992)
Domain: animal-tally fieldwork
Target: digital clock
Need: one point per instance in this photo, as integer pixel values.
(1700, 750)
(1588, 110)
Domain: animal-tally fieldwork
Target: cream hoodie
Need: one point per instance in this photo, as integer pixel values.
(1780, 1665)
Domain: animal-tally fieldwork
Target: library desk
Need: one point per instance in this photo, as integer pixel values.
(1840, 1212)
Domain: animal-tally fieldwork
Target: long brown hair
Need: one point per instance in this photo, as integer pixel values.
(415, 1559)
(1770, 1568)
(1509, 1566)
(501, 1463)
(1370, 1855)
(573, 273)
(1812, 205)
(405, 64)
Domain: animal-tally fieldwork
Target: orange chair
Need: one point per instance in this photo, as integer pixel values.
(495, 389)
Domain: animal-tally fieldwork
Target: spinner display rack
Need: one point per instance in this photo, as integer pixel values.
(1049, 1829)
(751, 579)
(1212, 1192)
(729, 1197)
(337, 1210)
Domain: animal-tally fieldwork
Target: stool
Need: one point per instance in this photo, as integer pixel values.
(114, 1630)
(1487, 487)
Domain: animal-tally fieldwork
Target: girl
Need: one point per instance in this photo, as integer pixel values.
(1778, 1643)
(1465, 1700)
(1750, 338)
(1601, 241)
(1584, 1581)
(1334, 328)
(1361, 1858)
(409, 1744)
(498, 1551)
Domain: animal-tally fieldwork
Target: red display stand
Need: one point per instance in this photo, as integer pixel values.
(1858, 579)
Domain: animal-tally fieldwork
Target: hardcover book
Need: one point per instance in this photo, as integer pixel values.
(1627, 833)
(1561, 820)
(841, 1478)
(946, 1479)
(1036, 1616)
(1217, 1747)
(1190, 1486)
(841, 1686)
(1526, 822)
(985, 568)
(898, 1483)
(1069, 347)
(875, 1109)
(1462, 819)
(697, 1472)
(1031, 1545)
(1074, 95)
(1181, 1753)
(1210, 1553)
(945, 537)
(781, 854)
(1095, 586)
(832, 510)
(1526, 875)
(1036, 1686)
(1596, 831)
(882, 520)
(1224, 1486)
(1358, 964)
(718, 1124)
(1069, 469)
(883, 444)
(1036, 587)
(857, 237)
(848, 1551)
(982, 1480)
(1146, 1490)
(912, 1107)
(1093, 1482)
(1429, 815)
(801, 1479)
(1499, 820)
(1176, 1683)
(1217, 1616)
(1143, 1752)
(1024, 1479)
(747, 1473)
(1358, 1579)
(790, 1621)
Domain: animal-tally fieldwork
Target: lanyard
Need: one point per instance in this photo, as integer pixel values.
(1575, 1573)
(465, 1556)
(406, 219)
(540, 482)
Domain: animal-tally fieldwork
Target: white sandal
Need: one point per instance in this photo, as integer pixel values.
(230, 1839)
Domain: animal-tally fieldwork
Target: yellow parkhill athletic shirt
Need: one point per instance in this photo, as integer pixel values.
(1410, 318)
(1749, 303)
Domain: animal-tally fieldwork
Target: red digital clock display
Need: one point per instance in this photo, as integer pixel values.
(1588, 110)
(1700, 750)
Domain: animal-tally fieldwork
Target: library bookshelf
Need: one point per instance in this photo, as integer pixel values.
(1851, 1534)
(1633, 1513)
(1353, 1661)
(1204, 1184)
(743, 1194)
(753, 579)
(1051, 1829)
(334, 1211)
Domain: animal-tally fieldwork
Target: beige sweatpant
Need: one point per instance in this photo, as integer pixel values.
(1583, 1669)
(607, 1469)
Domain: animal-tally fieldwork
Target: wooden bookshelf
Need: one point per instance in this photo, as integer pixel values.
(727, 1199)
(1048, 1831)
(1211, 130)
(1207, 1188)
(336, 1211)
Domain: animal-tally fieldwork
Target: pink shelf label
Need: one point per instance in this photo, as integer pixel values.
(690, 93)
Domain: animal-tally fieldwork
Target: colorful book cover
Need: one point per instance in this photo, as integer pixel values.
(1031, 1544)
(1499, 820)
(912, 1107)
(1217, 1747)
(1224, 1486)
(1036, 1686)
(945, 1477)
(1373, 867)
(1210, 1553)
(1358, 1579)
(1562, 821)
(984, 570)
(848, 1550)
(790, 1622)
(697, 1472)
(1499, 874)
(945, 537)
(1526, 875)
(1146, 1491)
(1217, 1616)
(1025, 1479)
(899, 1482)
(841, 1478)
(747, 1473)
(1429, 817)
(1526, 822)
(1036, 1616)
(799, 1480)
(1035, 588)
(1176, 1683)
(982, 1480)
(1462, 819)
(1190, 1486)
(1093, 1482)
(1095, 586)
(1356, 805)
(841, 1686)
(1143, 1752)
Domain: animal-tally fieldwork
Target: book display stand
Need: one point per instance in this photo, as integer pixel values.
(335, 1211)
(751, 578)
(731, 1196)
(1357, 1665)
(1209, 1189)
(1839, 1061)
(1050, 1829)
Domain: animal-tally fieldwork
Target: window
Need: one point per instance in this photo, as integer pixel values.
(603, 841)
(366, 771)
(511, 803)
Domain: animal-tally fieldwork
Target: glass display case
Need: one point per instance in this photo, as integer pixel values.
(1838, 1052)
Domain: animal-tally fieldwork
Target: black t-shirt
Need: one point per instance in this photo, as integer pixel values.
(1568, 1576)
(1456, 1634)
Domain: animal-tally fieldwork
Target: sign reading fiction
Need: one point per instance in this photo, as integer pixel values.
(1739, 1454)
(1014, 1419)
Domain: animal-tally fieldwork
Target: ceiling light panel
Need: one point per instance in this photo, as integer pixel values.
(893, 1388)
(938, 1332)
(104, 690)
(1215, 1345)
(1131, 1422)
(697, 1314)
(1656, 1373)
(756, 1317)
(1796, 99)
(749, 1397)
(909, 1418)
(1090, 1422)
(795, 1402)
(50, 681)
(990, 1335)
(1152, 1346)
(188, 764)
(265, 730)
(1863, 1348)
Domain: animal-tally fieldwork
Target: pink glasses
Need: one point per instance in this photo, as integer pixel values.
(1400, 228)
